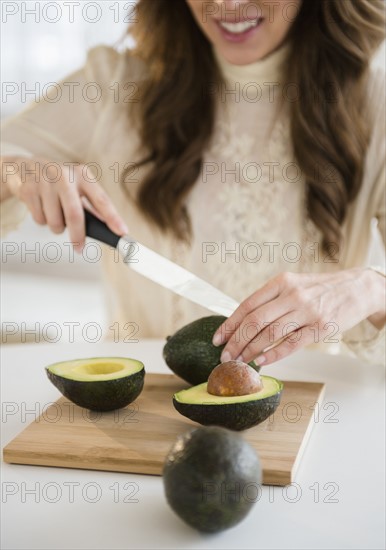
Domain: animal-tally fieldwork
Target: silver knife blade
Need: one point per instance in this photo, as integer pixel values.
(179, 280)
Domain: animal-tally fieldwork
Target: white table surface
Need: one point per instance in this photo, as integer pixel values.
(337, 500)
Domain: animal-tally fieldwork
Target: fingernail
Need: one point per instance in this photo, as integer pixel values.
(240, 358)
(217, 339)
(261, 359)
(225, 356)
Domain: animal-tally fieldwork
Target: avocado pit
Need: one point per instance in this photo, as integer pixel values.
(234, 378)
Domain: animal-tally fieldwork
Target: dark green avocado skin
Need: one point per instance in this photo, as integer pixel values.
(234, 416)
(211, 478)
(190, 354)
(105, 395)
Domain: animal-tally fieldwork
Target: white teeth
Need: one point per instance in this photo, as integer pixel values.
(240, 27)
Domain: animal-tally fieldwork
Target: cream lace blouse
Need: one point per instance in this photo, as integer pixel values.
(247, 207)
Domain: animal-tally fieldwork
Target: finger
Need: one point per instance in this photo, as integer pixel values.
(252, 325)
(73, 214)
(52, 209)
(272, 335)
(28, 192)
(34, 205)
(296, 340)
(50, 200)
(104, 206)
(264, 295)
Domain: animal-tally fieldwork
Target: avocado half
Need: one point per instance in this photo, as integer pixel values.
(238, 412)
(210, 478)
(190, 354)
(99, 383)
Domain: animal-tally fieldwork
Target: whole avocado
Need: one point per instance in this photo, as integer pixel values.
(211, 478)
(190, 354)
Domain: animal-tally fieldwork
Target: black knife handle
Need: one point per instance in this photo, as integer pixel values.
(96, 229)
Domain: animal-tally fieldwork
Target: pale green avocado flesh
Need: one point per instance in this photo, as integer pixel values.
(199, 394)
(96, 368)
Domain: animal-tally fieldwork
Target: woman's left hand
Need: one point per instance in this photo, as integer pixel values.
(294, 310)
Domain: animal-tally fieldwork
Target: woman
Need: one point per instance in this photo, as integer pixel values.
(243, 140)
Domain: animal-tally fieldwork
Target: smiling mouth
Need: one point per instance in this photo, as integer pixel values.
(241, 26)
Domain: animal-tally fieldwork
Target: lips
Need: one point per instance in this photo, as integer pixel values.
(240, 31)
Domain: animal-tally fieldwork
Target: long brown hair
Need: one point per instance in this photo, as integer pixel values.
(332, 43)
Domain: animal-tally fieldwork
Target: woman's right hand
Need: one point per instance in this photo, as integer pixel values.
(53, 194)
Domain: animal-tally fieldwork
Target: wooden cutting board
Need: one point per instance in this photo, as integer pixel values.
(136, 439)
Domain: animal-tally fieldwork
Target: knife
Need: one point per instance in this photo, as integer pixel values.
(155, 267)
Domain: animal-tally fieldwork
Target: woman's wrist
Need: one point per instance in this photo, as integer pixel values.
(377, 287)
(5, 192)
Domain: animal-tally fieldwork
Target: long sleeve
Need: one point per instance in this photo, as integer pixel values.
(365, 340)
(60, 126)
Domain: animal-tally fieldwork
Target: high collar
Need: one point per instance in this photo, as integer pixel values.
(269, 68)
